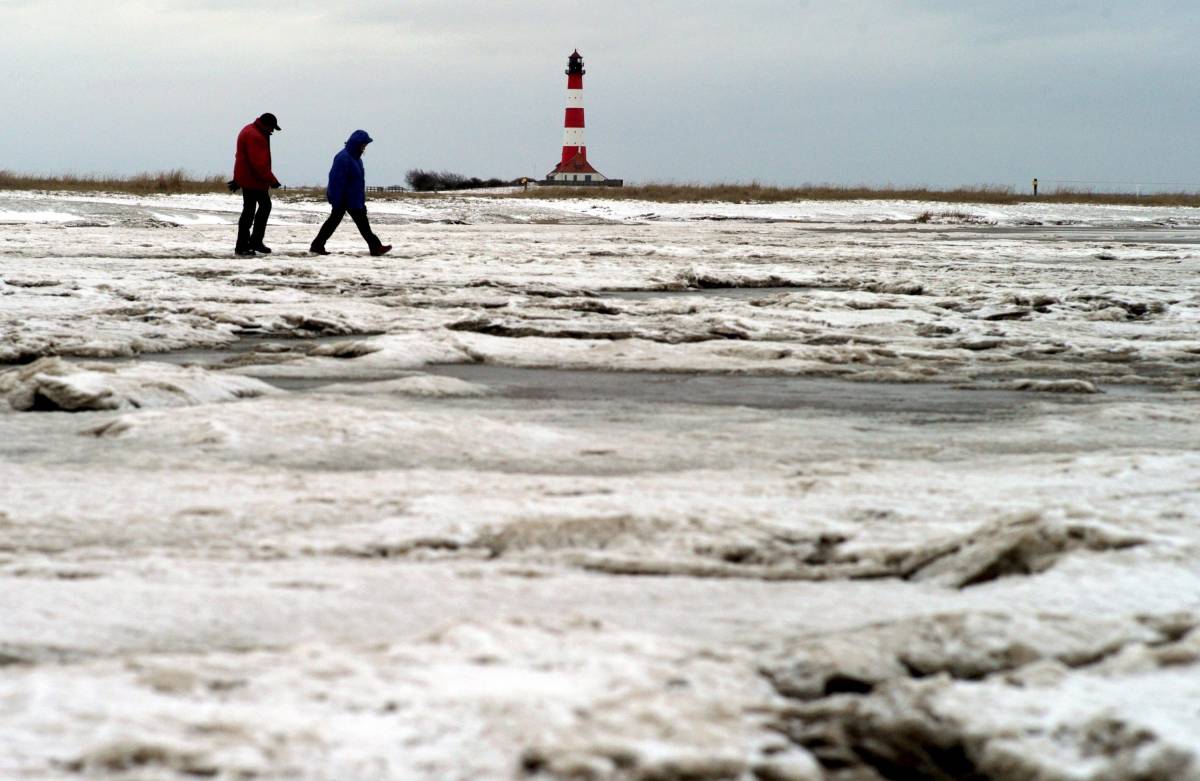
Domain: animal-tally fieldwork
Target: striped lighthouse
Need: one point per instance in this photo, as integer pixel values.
(573, 167)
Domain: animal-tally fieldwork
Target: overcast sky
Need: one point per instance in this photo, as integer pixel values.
(938, 92)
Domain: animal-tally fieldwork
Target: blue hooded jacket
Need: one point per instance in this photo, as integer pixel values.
(347, 178)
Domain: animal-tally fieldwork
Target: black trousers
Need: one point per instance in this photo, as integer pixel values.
(256, 208)
(335, 219)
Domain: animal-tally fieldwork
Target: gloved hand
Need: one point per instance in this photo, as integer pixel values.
(276, 186)
(233, 186)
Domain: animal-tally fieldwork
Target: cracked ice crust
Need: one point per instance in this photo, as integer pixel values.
(321, 553)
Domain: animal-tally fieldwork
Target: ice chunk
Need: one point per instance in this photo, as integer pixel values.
(417, 385)
(53, 384)
(1057, 386)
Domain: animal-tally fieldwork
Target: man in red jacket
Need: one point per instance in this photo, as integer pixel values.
(252, 172)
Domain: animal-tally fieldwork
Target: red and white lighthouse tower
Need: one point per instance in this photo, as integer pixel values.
(573, 167)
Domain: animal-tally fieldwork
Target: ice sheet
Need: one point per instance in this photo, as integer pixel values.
(599, 489)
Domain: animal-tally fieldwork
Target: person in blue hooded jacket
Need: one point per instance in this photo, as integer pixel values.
(347, 192)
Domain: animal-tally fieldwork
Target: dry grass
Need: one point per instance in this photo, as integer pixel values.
(176, 181)
(757, 193)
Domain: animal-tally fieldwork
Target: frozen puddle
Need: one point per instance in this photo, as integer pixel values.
(731, 390)
(574, 385)
(261, 347)
(717, 292)
(1149, 234)
(714, 389)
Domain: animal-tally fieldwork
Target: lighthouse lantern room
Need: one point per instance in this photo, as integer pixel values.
(573, 167)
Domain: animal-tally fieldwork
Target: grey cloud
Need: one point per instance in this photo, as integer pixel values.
(875, 91)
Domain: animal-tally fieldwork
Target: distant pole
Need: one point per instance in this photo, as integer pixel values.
(1035, 185)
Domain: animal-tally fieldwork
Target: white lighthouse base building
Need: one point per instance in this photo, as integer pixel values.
(580, 179)
(578, 171)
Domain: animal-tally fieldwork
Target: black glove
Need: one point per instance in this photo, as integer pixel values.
(276, 186)
(233, 186)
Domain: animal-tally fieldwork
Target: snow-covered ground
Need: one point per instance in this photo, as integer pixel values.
(599, 490)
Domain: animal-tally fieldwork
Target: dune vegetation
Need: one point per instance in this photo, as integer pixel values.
(179, 181)
(176, 181)
(759, 193)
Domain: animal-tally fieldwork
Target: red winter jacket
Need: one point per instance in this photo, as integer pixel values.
(252, 164)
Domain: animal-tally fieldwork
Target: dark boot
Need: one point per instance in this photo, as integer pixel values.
(376, 246)
(261, 248)
(318, 249)
(243, 252)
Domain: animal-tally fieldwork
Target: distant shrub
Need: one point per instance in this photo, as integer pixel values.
(435, 181)
(420, 180)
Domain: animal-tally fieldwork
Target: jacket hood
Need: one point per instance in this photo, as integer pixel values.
(359, 137)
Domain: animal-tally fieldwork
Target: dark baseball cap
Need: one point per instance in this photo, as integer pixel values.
(270, 121)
